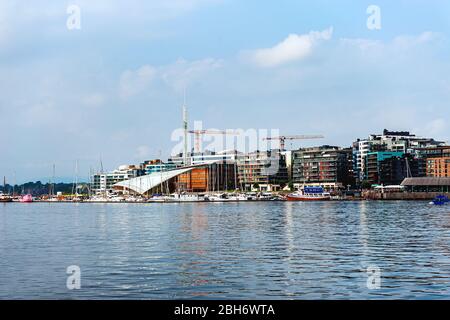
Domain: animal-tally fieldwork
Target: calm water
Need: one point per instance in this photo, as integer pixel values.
(216, 251)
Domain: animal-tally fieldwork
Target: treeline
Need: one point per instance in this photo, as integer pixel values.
(38, 188)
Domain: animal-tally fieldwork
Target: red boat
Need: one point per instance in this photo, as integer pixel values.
(309, 194)
(26, 198)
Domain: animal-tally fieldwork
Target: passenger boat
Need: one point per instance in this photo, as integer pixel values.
(309, 194)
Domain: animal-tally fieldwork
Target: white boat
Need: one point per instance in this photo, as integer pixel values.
(5, 198)
(218, 197)
(266, 196)
(98, 199)
(185, 197)
(116, 199)
(252, 196)
(309, 194)
(238, 197)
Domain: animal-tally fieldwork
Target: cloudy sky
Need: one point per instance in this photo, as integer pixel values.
(113, 89)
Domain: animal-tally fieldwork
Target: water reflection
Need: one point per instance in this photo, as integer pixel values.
(242, 250)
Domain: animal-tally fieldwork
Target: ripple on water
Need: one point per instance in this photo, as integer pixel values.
(220, 251)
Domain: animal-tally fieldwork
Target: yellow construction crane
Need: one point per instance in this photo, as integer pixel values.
(199, 133)
(283, 139)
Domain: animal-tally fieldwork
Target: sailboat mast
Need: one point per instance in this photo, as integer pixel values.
(14, 184)
(53, 180)
(76, 178)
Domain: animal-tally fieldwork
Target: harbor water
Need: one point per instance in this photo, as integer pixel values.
(254, 250)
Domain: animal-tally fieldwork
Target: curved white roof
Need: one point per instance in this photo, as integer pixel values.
(145, 183)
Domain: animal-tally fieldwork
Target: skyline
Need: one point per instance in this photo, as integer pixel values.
(114, 88)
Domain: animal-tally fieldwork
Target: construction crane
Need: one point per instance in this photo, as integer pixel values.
(199, 133)
(283, 139)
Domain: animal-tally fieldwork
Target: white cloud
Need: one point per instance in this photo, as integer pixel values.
(294, 47)
(94, 100)
(134, 82)
(436, 127)
(21, 21)
(403, 42)
(183, 73)
(177, 76)
(406, 41)
(142, 152)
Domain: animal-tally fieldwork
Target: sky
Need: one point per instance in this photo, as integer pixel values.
(111, 90)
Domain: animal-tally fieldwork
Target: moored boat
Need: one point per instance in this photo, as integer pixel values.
(185, 197)
(309, 194)
(440, 200)
(26, 198)
(5, 198)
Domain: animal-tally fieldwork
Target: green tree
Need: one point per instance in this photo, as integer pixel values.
(291, 185)
(366, 184)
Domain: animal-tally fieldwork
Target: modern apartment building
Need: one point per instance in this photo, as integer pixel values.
(390, 141)
(438, 167)
(262, 170)
(326, 166)
(102, 182)
(154, 166)
(206, 157)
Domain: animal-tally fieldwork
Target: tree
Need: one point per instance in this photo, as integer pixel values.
(366, 184)
(291, 185)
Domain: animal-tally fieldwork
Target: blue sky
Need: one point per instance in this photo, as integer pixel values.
(114, 88)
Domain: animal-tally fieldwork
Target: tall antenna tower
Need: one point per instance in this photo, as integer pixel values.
(185, 128)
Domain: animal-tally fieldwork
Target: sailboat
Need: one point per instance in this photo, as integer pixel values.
(5, 197)
(75, 187)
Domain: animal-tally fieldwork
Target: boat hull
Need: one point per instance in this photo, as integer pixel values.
(27, 198)
(306, 198)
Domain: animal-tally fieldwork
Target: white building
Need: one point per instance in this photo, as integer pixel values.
(395, 141)
(103, 182)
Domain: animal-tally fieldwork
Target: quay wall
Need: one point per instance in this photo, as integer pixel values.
(403, 195)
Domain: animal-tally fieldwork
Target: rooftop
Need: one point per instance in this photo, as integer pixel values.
(426, 181)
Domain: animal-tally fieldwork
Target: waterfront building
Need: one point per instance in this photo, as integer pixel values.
(102, 183)
(327, 166)
(152, 166)
(218, 174)
(426, 184)
(438, 167)
(393, 141)
(195, 158)
(212, 177)
(262, 171)
(436, 160)
(391, 168)
(433, 152)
